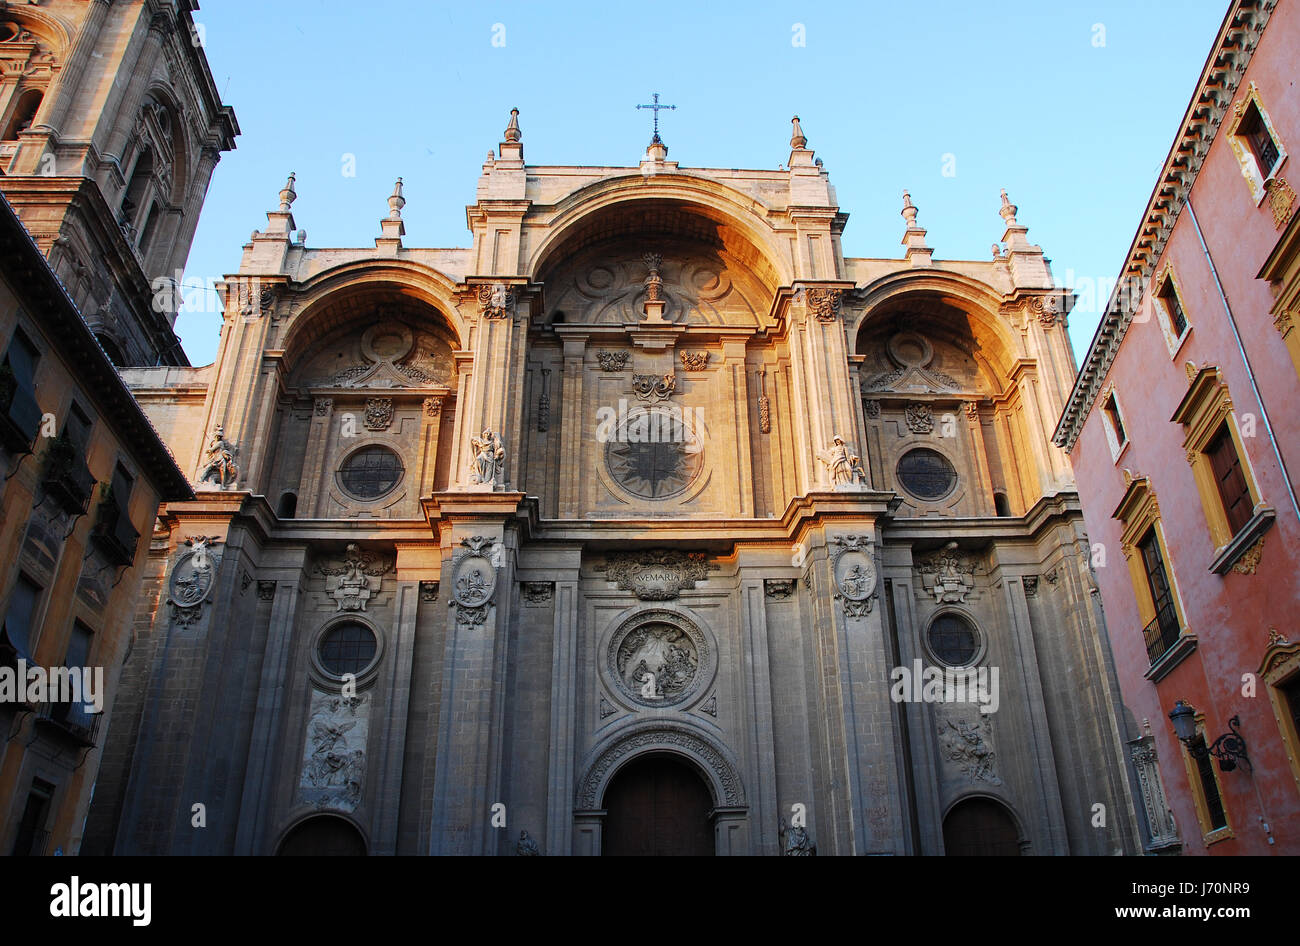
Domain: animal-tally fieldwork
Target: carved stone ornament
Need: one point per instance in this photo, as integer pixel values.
(695, 360)
(379, 413)
(654, 282)
(1047, 309)
(265, 590)
(244, 581)
(1249, 560)
(871, 409)
(854, 568)
(1031, 586)
(919, 418)
(191, 581)
(1281, 200)
(432, 406)
(653, 387)
(495, 301)
(219, 460)
(969, 747)
(429, 590)
(844, 466)
(655, 737)
(606, 708)
(764, 414)
(949, 575)
(488, 463)
(1160, 820)
(474, 577)
(711, 706)
(334, 757)
(778, 589)
(659, 658)
(323, 406)
(355, 579)
(823, 303)
(537, 593)
(544, 403)
(656, 574)
(612, 360)
(795, 841)
(526, 846)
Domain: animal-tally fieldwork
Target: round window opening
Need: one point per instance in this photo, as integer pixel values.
(926, 474)
(347, 648)
(371, 472)
(954, 640)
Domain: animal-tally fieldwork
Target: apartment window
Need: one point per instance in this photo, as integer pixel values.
(1229, 479)
(1234, 512)
(1173, 308)
(76, 657)
(113, 532)
(1164, 627)
(1255, 142)
(1215, 815)
(1112, 422)
(20, 416)
(1280, 673)
(32, 836)
(19, 620)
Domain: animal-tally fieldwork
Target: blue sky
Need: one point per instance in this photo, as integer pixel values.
(1021, 96)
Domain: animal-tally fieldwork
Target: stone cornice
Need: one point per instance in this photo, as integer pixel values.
(1226, 65)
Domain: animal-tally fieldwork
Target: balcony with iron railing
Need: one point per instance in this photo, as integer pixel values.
(114, 534)
(71, 721)
(65, 476)
(1162, 633)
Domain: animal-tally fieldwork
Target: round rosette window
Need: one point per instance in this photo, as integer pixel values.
(654, 454)
(370, 473)
(926, 474)
(953, 640)
(660, 658)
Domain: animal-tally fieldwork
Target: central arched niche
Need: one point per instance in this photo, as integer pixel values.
(712, 273)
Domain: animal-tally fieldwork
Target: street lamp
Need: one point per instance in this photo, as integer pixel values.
(1228, 748)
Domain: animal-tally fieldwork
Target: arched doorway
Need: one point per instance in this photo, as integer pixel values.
(980, 827)
(658, 806)
(323, 836)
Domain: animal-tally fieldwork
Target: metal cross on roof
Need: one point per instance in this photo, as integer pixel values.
(656, 107)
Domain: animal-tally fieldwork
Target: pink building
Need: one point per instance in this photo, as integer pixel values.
(1185, 438)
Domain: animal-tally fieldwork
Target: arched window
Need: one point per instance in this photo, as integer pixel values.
(146, 232)
(24, 114)
(137, 189)
(288, 506)
(1001, 504)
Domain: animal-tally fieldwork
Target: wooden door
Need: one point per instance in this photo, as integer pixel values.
(657, 806)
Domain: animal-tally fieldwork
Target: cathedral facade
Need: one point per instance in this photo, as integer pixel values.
(650, 522)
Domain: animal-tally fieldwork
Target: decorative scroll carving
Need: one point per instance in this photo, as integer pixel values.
(823, 303)
(871, 409)
(219, 461)
(495, 301)
(352, 581)
(653, 387)
(379, 413)
(489, 459)
(970, 747)
(1047, 309)
(661, 737)
(606, 708)
(1249, 560)
(429, 590)
(544, 403)
(695, 360)
(844, 465)
(265, 590)
(1281, 200)
(323, 406)
(334, 758)
(656, 574)
(948, 575)
(919, 419)
(1160, 820)
(764, 414)
(778, 589)
(433, 406)
(612, 360)
(1031, 586)
(537, 593)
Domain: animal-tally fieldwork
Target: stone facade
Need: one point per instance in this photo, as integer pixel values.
(633, 475)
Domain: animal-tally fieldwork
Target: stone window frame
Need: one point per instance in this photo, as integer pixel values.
(926, 442)
(981, 639)
(1209, 834)
(1166, 281)
(1118, 447)
(1256, 180)
(1204, 410)
(327, 679)
(1139, 511)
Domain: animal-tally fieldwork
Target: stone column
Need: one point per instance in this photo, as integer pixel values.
(54, 107)
(564, 688)
(572, 434)
(141, 70)
(318, 435)
(761, 772)
(390, 743)
(430, 429)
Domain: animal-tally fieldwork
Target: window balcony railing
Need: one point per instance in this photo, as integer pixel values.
(73, 721)
(66, 476)
(1162, 633)
(114, 534)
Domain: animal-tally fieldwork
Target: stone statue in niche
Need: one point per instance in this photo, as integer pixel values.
(334, 758)
(219, 461)
(795, 841)
(356, 579)
(845, 466)
(489, 459)
(526, 846)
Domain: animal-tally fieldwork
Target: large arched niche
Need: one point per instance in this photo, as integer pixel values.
(327, 834)
(677, 228)
(353, 292)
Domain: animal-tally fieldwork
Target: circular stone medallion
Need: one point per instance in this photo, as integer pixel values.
(653, 454)
(659, 658)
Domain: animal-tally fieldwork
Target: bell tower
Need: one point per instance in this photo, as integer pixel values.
(110, 128)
